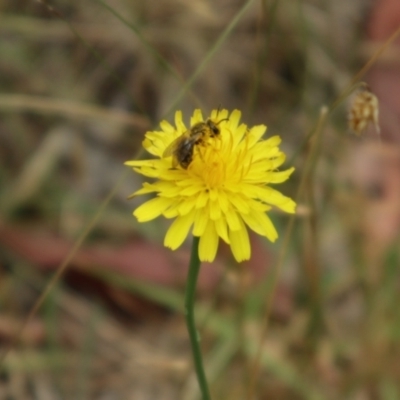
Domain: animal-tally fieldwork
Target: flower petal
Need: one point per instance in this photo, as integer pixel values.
(222, 229)
(240, 131)
(200, 223)
(167, 127)
(151, 209)
(240, 243)
(234, 119)
(208, 245)
(187, 205)
(260, 223)
(272, 196)
(223, 201)
(147, 188)
(273, 141)
(178, 231)
(214, 210)
(255, 134)
(197, 117)
(202, 199)
(233, 220)
(239, 202)
(179, 122)
(191, 190)
(218, 115)
(281, 176)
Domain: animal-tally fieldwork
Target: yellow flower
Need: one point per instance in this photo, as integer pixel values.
(224, 189)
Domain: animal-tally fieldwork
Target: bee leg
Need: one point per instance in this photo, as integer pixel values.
(198, 148)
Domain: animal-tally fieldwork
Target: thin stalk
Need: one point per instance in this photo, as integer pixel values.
(190, 296)
(271, 284)
(61, 269)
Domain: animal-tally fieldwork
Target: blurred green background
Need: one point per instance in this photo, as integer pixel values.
(311, 317)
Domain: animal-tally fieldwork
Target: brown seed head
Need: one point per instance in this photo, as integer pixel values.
(364, 110)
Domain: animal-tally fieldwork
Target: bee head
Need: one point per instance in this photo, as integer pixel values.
(215, 131)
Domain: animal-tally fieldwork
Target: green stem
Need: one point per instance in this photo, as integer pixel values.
(194, 268)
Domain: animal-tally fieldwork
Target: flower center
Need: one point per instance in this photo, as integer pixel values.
(209, 165)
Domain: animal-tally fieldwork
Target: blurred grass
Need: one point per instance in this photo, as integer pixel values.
(77, 95)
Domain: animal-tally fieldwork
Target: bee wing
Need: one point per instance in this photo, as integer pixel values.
(170, 149)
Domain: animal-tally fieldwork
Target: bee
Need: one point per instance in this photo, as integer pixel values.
(182, 148)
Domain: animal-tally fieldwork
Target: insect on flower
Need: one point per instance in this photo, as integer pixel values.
(182, 148)
(223, 185)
